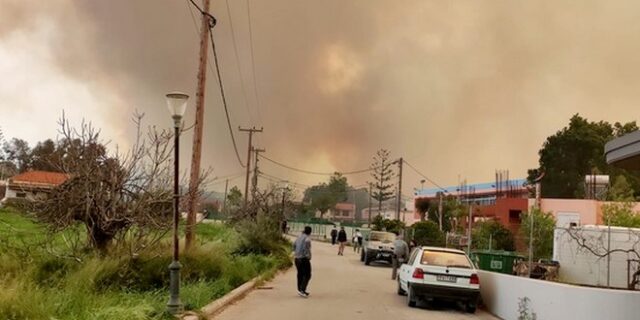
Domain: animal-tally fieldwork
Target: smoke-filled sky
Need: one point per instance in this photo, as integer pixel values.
(457, 88)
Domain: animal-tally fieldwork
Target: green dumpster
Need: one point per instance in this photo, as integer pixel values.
(496, 261)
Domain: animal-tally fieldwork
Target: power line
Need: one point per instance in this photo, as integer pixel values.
(217, 71)
(224, 100)
(424, 176)
(315, 172)
(235, 51)
(253, 63)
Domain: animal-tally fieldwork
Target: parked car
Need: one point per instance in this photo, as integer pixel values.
(377, 246)
(439, 274)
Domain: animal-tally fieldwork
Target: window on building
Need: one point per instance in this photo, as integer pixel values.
(21, 195)
(345, 213)
(514, 216)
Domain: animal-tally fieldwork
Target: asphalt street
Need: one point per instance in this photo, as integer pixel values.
(341, 287)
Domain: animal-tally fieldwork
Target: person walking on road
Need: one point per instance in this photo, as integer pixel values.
(302, 255)
(342, 240)
(334, 235)
(357, 241)
(400, 254)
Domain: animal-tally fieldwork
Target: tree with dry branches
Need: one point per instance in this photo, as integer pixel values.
(112, 195)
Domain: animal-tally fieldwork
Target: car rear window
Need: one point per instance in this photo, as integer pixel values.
(445, 259)
(381, 236)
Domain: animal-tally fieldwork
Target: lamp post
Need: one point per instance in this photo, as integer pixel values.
(177, 103)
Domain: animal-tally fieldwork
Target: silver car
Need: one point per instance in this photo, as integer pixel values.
(377, 246)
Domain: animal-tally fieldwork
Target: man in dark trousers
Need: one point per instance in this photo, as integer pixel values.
(334, 235)
(302, 255)
(342, 240)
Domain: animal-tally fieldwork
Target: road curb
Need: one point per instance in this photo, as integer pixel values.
(216, 306)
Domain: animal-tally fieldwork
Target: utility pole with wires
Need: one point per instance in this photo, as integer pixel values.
(399, 203)
(249, 149)
(369, 215)
(224, 200)
(254, 185)
(208, 22)
(440, 210)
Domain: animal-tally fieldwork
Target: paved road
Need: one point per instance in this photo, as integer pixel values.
(341, 288)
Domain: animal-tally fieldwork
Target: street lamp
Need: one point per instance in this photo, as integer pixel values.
(177, 103)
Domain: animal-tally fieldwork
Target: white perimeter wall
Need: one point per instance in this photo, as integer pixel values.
(550, 300)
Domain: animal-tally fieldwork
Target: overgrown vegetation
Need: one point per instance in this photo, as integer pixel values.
(544, 225)
(390, 225)
(42, 280)
(492, 235)
(427, 233)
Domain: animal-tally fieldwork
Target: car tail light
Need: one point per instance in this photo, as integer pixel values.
(474, 279)
(418, 273)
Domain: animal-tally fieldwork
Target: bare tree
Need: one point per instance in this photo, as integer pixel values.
(112, 194)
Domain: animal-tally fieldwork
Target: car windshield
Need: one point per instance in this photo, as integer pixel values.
(445, 259)
(382, 236)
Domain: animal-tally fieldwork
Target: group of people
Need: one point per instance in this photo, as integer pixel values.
(340, 237)
(302, 253)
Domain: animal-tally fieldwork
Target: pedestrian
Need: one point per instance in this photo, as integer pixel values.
(302, 255)
(284, 226)
(357, 244)
(342, 240)
(334, 235)
(400, 254)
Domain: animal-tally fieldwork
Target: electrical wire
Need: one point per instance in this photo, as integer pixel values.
(235, 51)
(224, 99)
(315, 172)
(217, 71)
(424, 176)
(253, 63)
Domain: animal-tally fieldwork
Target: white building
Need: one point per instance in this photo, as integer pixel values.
(32, 185)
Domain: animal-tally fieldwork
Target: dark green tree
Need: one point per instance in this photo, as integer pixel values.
(492, 233)
(381, 172)
(18, 152)
(325, 196)
(544, 225)
(234, 199)
(578, 150)
(427, 233)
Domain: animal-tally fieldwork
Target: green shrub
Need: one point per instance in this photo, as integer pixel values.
(50, 271)
(427, 233)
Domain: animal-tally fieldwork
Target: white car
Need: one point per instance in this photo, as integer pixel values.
(439, 273)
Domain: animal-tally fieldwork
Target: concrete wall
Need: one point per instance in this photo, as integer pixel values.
(580, 266)
(549, 300)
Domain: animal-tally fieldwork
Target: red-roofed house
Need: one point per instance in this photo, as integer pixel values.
(33, 184)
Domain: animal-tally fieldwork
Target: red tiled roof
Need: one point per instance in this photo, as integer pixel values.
(40, 177)
(345, 206)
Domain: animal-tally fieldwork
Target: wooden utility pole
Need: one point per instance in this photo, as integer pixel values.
(249, 148)
(196, 156)
(440, 211)
(224, 201)
(254, 185)
(370, 187)
(399, 189)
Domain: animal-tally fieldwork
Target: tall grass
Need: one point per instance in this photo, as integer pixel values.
(39, 285)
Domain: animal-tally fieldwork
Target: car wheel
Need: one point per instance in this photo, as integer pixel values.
(401, 292)
(362, 256)
(411, 297)
(470, 308)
